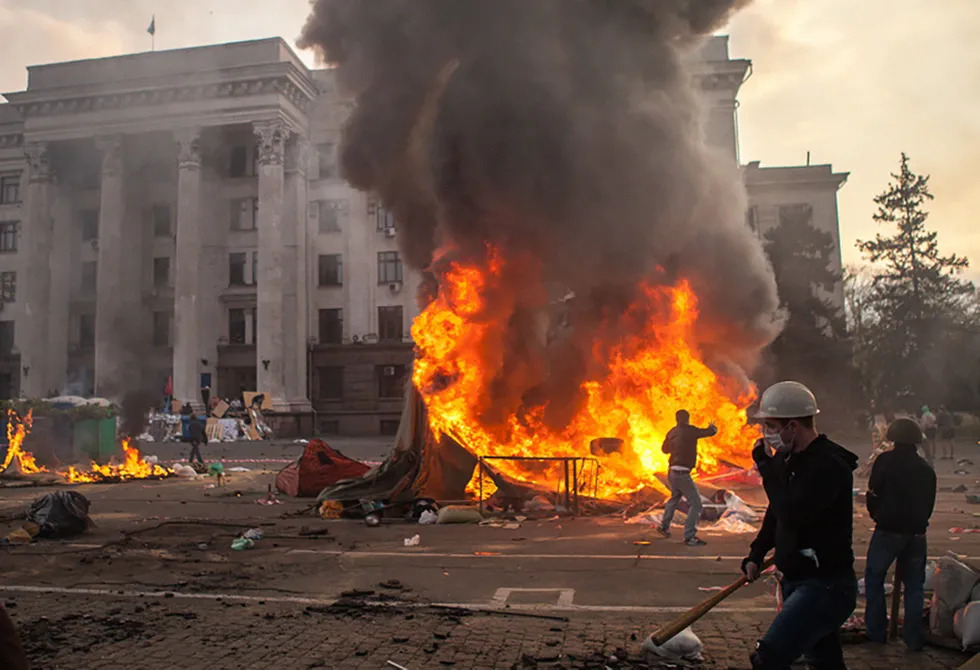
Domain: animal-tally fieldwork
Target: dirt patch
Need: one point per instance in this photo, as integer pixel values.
(45, 638)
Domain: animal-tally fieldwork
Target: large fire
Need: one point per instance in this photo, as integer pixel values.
(132, 467)
(634, 398)
(17, 430)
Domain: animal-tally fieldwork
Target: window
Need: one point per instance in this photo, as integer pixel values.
(796, 215)
(327, 158)
(8, 235)
(390, 324)
(161, 329)
(161, 272)
(389, 426)
(391, 381)
(236, 326)
(244, 213)
(236, 269)
(9, 189)
(389, 267)
(331, 326)
(329, 212)
(88, 220)
(6, 337)
(384, 218)
(331, 382)
(255, 268)
(89, 277)
(86, 331)
(238, 165)
(8, 286)
(161, 220)
(331, 270)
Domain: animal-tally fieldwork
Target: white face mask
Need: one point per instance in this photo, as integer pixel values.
(776, 442)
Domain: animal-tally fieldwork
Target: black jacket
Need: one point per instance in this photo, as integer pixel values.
(810, 510)
(682, 444)
(901, 491)
(196, 432)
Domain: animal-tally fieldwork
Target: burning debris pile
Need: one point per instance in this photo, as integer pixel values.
(588, 266)
(22, 462)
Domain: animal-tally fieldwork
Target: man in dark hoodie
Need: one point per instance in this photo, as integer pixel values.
(901, 495)
(808, 480)
(198, 436)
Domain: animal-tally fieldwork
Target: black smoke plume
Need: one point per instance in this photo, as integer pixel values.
(564, 131)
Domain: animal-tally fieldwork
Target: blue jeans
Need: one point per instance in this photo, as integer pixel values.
(809, 624)
(910, 553)
(682, 486)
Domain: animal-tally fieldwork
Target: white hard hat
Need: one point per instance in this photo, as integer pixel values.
(787, 400)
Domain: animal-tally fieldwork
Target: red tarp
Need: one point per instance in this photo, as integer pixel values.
(318, 467)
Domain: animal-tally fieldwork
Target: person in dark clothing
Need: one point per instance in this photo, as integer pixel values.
(198, 436)
(808, 480)
(682, 445)
(901, 495)
(206, 399)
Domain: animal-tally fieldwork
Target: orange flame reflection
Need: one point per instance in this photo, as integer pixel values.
(133, 467)
(647, 378)
(17, 430)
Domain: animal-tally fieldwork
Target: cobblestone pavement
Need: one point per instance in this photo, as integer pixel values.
(78, 631)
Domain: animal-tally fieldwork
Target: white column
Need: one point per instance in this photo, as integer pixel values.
(110, 315)
(295, 279)
(187, 266)
(270, 372)
(36, 241)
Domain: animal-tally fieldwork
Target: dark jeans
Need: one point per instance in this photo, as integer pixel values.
(195, 452)
(682, 486)
(809, 624)
(910, 553)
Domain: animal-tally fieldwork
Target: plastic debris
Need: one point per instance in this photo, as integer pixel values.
(253, 534)
(60, 514)
(413, 541)
(428, 517)
(239, 469)
(966, 624)
(954, 583)
(182, 470)
(685, 645)
(242, 543)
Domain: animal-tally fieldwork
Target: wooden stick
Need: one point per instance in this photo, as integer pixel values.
(896, 598)
(665, 633)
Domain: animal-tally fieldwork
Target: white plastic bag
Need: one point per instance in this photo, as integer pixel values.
(931, 569)
(740, 509)
(966, 624)
(413, 541)
(685, 645)
(953, 584)
(428, 517)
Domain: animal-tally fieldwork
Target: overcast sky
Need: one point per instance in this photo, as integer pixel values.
(853, 82)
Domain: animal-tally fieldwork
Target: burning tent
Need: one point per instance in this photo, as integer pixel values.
(531, 150)
(318, 467)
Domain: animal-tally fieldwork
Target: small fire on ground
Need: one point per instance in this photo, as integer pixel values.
(23, 462)
(633, 395)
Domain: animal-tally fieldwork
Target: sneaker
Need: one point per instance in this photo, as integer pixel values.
(663, 531)
(695, 542)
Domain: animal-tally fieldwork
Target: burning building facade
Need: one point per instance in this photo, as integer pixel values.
(183, 213)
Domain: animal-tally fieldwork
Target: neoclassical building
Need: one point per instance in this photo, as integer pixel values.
(181, 213)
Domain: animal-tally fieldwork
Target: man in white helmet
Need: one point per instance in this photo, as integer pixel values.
(809, 482)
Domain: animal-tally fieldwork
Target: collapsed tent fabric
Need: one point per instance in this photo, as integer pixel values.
(318, 467)
(420, 464)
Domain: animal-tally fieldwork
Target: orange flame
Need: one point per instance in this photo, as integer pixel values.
(633, 397)
(17, 430)
(133, 467)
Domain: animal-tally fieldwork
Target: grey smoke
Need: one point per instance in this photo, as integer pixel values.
(568, 136)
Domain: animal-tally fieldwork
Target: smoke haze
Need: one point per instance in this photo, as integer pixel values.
(564, 133)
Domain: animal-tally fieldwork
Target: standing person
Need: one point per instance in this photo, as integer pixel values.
(198, 436)
(946, 430)
(928, 422)
(901, 495)
(682, 445)
(808, 522)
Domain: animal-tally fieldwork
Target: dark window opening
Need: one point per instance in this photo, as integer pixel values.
(389, 267)
(9, 189)
(161, 220)
(236, 269)
(161, 272)
(391, 381)
(6, 337)
(390, 324)
(331, 384)
(238, 161)
(88, 221)
(161, 329)
(389, 426)
(86, 331)
(331, 326)
(331, 270)
(89, 277)
(8, 286)
(236, 326)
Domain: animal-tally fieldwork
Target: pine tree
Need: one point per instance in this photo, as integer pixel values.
(916, 293)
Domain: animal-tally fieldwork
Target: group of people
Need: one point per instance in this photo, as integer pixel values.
(808, 524)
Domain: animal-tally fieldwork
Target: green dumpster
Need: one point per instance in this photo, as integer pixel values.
(95, 439)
